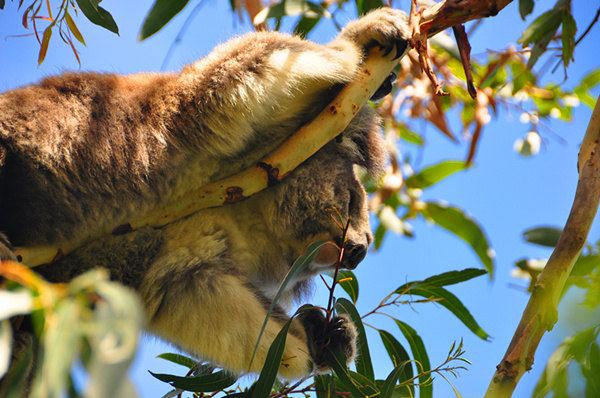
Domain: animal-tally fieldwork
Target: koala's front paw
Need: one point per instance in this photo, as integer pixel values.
(385, 27)
(324, 337)
(6, 249)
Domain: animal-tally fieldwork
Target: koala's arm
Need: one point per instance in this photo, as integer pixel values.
(217, 315)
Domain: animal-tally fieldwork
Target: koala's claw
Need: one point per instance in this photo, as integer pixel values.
(384, 27)
(324, 338)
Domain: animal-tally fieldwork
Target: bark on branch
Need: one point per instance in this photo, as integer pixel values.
(541, 312)
(301, 145)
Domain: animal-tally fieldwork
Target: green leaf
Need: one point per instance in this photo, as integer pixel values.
(420, 354)
(348, 382)
(453, 304)
(98, 15)
(457, 222)
(544, 236)
(324, 386)
(569, 28)
(206, 383)
(433, 174)
(74, 29)
(160, 14)
(305, 25)
(453, 277)
(525, 8)
(350, 284)
(45, 44)
(388, 388)
(178, 359)
(399, 357)
(410, 136)
(268, 374)
(364, 366)
(297, 268)
(364, 6)
(544, 25)
(591, 80)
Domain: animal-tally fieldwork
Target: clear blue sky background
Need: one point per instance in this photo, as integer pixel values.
(504, 192)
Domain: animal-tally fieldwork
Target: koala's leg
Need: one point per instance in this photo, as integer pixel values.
(261, 82)
(217, 316)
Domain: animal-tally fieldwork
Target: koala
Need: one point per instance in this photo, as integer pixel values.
(81, 153)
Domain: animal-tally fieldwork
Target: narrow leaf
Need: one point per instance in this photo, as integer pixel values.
(44, 45)
(569, 28)
(74, 29)
(420, 354)
(297, 268)
(338, 365)
(435, 173)
(457, 222)
(347, 280)
(98, 15)
(178, 359)
(160, 14)
(399, 356)
(324, 386)
(206, 383)
(364, 365)
(264, 384)
(542, 26)
(388, 387)
(544, 236)
(453, 277)
(453, 304)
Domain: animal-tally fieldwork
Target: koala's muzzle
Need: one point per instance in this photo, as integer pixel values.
(354, 253)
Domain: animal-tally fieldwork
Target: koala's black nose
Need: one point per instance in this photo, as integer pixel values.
(354, 253)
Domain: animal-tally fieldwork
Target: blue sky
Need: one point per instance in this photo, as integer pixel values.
(504, 192)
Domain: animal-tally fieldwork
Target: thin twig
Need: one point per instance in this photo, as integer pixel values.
(181, 33)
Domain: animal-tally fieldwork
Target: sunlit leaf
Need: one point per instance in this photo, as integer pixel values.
(205, 383)
(98, 15)
(410, 136)
(349, 283)
(44, 45)
(544, 236)
(420, 354)
(457, 222)
(15, 303)
(74, 29)
(179, 359)
(160, 14)
(364, 365)
(433, 174)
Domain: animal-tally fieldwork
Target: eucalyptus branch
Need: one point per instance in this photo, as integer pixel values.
(297, 148)
(541, 312)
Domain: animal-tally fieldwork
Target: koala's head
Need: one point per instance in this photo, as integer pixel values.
(316, 201)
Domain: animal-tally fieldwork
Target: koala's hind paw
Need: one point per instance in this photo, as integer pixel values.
(384, 27)
(324, 337)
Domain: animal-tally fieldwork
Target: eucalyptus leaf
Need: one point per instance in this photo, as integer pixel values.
(98, 15)
(525, 7)
(205, 383)
(160, 14)
(349, 283)
(399, 356)
(179, 359)
(457, 222)
(543, 235)
(435, 173)
(364, 366)
(420, 355)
